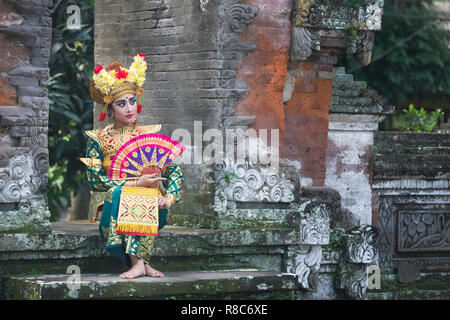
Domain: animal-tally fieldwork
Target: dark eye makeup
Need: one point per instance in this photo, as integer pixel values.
(122, 103)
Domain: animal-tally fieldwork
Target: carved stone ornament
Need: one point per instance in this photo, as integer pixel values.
(303, 42)
(234, 19)
(314, 220)
(371, 14)
(203, 4)
(24, 177)
(363, 47)
(249, 183)
(355, 280)
(333, 19)
(361, 244)
(308, 266)
(306, 12)
(423, 232)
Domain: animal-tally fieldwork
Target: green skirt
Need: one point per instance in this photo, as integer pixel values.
(120, 245)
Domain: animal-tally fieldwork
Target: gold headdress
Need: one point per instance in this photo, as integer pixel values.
(107, 84)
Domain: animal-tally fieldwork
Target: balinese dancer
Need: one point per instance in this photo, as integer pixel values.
(119, 90)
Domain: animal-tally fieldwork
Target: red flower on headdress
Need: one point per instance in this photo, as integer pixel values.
(97, 69)
(102, 116)
(121, 74)
(142, 55)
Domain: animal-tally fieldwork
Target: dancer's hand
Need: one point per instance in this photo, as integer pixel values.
(163, 203)
(149, 180)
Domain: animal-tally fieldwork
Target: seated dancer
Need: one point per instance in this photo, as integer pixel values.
(119, 90)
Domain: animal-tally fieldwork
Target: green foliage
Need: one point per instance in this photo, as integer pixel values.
(420, 120)
(228, 176)
(410, 57)
(70, 104)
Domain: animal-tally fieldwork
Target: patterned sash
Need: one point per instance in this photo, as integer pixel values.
(138, 211)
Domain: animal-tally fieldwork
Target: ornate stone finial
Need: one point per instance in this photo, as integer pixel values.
(361, 244)
(313, 219)
(360, 251)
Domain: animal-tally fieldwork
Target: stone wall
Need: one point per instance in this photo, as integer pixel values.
(25, 34)
(236, 64)
(412, 199)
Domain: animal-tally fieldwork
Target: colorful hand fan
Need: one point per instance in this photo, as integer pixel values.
(145, 154)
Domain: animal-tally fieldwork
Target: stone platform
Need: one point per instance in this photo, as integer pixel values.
(198, 263)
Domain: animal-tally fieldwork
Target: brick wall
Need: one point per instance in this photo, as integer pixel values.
(264, 69)
(306, 115)
(184, 67)
(25, 34)
(193, 52)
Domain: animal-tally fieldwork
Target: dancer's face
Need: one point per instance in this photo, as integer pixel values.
(125, 110)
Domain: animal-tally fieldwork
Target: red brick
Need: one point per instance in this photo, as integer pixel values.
(8, 95)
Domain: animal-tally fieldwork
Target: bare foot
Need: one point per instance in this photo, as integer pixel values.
(137, 270)
(149, 271)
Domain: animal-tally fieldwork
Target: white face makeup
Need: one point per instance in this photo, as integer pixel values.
(125, 110)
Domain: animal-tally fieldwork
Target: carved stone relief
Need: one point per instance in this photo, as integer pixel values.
(313, 220)
(417, 225)
(304, 41)
(423, 231)
(360, 252)
(311, 17)
(245, 182)
(361, 244)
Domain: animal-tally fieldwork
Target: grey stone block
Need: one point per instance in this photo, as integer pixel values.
(407, 273)
(19, 131)
(32, 91)
(22, 81)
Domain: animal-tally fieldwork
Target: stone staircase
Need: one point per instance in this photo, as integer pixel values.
(413, 154)
(198, 264)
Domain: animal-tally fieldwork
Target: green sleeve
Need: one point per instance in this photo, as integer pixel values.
(96, 176)
(174, 180)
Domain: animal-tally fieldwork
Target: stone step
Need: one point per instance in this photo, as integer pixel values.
(411, 150)
(430, 286)
(408, 168)
(176, 249)
(412, 157)
(410, 138)
(410, 295)
(229, 284)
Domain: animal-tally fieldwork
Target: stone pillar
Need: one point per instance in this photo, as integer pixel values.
(25, 34)
(355, 113)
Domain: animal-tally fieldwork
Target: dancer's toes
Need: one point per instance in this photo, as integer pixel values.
(136, 271)
(149, 271)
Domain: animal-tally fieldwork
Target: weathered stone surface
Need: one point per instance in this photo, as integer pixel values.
(26, 40)
(195, 285)
(407, 273)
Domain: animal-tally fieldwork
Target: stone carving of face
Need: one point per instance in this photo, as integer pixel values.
(124, 110)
